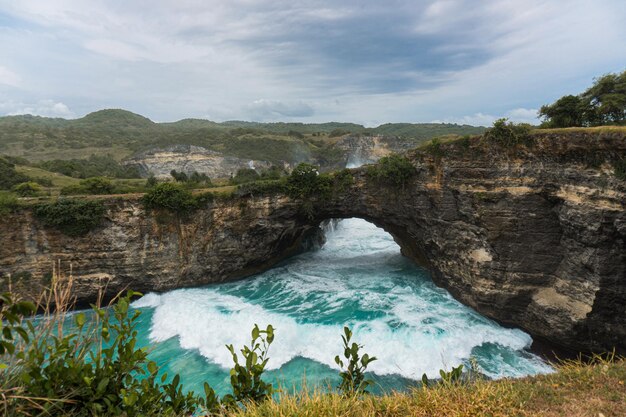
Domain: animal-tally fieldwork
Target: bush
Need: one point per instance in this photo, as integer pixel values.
(245, 175)
(353, 377)
(261, 188)
(305, 181)
(508, 134)
(70, 216)
(9, 176)
(27, 189)
(171, 197)
(245, 378)
(8, 202)
(393, 169)
(97, 185)
(95, 370)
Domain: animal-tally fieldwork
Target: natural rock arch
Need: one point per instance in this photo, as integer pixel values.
(533, 238)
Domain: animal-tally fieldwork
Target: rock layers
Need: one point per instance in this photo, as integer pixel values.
(532, 237)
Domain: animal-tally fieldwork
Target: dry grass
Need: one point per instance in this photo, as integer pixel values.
(596, 129)
(577, 389)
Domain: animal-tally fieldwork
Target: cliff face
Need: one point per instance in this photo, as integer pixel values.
(189, 159)
(532, 237)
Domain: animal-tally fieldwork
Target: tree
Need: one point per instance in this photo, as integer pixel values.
(603, 103)
(565, 112)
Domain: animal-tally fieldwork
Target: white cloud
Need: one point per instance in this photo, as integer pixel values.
(8, 77)
(271, 110)
(170, 59)
(47, 108)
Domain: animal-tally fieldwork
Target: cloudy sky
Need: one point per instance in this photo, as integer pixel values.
(370, 62)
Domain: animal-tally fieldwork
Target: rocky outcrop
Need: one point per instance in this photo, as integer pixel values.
(189, 159)
(360, 149)
(533, 237)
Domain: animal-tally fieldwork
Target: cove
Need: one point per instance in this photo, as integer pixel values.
(359, 279)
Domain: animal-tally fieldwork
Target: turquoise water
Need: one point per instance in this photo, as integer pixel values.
(359, 279)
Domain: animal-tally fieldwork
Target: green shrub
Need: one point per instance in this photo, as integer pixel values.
(70, 216)
(434, 148)
(262, 188)
(8, 202)
(305, 181)
(353, 375)
(245, 175)
(9, 176)
(508, 134)
(151, 181)
(97, 185)
(393, 169)
(171, 197)
(95, 370)
(27, 189)
(343, 179)
(447, 377)
(245, 378)
(11, 315)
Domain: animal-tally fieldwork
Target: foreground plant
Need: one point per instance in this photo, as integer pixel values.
(245, 378)
(353, 375)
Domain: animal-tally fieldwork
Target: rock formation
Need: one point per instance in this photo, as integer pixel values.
(189, 159)
(532, 236)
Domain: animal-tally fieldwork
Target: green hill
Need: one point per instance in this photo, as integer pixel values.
(121, 133)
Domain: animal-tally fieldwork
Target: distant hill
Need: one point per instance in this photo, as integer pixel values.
(121, 133)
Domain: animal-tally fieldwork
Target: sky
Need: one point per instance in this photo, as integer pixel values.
(368, 62)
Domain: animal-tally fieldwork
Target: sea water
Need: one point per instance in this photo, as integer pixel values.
(357, 279)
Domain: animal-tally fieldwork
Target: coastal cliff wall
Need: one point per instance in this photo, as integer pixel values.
(531, 236)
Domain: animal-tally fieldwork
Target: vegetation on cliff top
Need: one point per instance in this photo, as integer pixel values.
(604, 103)
(71, 216)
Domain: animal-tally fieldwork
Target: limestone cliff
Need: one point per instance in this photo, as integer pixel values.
(189, 159)
(531, 236)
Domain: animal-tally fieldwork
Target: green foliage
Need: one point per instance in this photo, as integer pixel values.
(619, 167)
(97, 185)
(394, 169)
(353, 380)
(245, 378)
(338, 132)
(9, 177)
(95, 370)
(447, 377)
(272, 173)
(508, 134)
(94, 166)
(245, 175)
(434, 148)
(171, 197)
(604, 103)
(27, 189)
(8, 202)
(565, 112)
(151, 181)
(71, 216)
(343, 179)
(11, 314)
(261, 188)
(306, 182)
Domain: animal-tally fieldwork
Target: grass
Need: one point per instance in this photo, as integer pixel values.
(58, 180)
(595, 129)
(576, 389)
